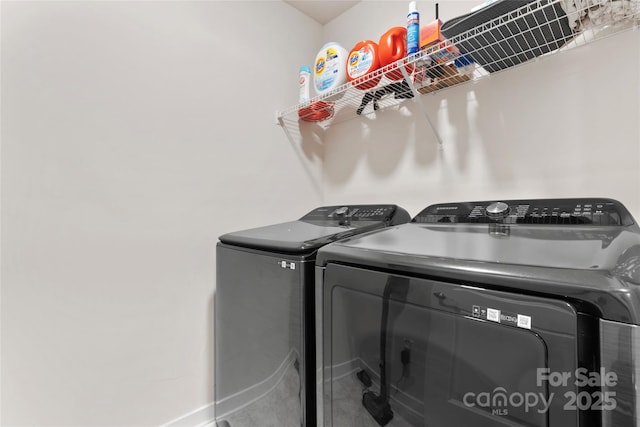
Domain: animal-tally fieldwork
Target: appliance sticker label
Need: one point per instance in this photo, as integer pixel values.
(500, 316)
(285, 264)
(524, 321)
(493, 315)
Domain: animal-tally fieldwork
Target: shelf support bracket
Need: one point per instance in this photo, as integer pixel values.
(315, 178)
(417, 96)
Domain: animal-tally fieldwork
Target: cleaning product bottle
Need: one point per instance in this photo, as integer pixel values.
(305, 76)
(330, 69)
(363, 59)
(413, 29)
(392, 47)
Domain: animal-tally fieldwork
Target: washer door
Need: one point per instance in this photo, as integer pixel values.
(442, 354)
(483, 374)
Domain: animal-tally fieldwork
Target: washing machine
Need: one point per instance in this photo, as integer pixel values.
(486, 314)
(264, 314)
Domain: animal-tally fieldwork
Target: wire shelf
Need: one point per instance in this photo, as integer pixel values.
(502, 35)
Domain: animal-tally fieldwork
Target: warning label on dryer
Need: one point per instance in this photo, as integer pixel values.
(500, 316)
(494, 315)
(524, 321)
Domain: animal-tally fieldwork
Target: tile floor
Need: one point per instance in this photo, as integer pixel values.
(280, 407)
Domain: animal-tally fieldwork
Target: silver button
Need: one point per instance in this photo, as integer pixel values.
(497, 210)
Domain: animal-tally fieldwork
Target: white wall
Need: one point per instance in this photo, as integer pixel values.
(133, 134)
(562, 126)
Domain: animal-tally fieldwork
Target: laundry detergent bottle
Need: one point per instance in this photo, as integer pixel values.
(329, 71)
(392, 47)
(363, 59)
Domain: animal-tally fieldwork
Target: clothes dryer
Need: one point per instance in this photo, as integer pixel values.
(264, 314)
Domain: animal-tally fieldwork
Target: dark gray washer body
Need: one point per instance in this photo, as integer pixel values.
(591, 264)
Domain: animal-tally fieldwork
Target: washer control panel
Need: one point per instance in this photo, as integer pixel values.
(590, 211)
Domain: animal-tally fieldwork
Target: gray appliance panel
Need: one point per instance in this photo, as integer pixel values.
(259, 326)
(295, 236)
(580, 248)
(620, 355)
(549, 213)
(444, 326)
(598, 266)
(319, 227)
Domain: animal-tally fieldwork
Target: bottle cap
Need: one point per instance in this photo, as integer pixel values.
(305, 69)
(413, 7)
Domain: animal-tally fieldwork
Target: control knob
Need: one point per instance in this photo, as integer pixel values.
(342, 211)
(497, 210)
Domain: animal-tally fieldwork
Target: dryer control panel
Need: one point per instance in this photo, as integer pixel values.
(383, 213)
(588, 211)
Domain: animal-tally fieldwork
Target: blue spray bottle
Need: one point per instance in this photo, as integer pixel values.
(413, 29)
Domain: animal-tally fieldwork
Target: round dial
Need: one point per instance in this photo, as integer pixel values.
(497, 210)
(342, 211)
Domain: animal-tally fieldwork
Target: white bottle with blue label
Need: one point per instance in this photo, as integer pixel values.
(303, 81)
(413, 29)
(330, 69)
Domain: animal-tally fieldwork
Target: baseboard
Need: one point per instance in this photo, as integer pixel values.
(343, 369)
(201, 417)
(205, 415)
